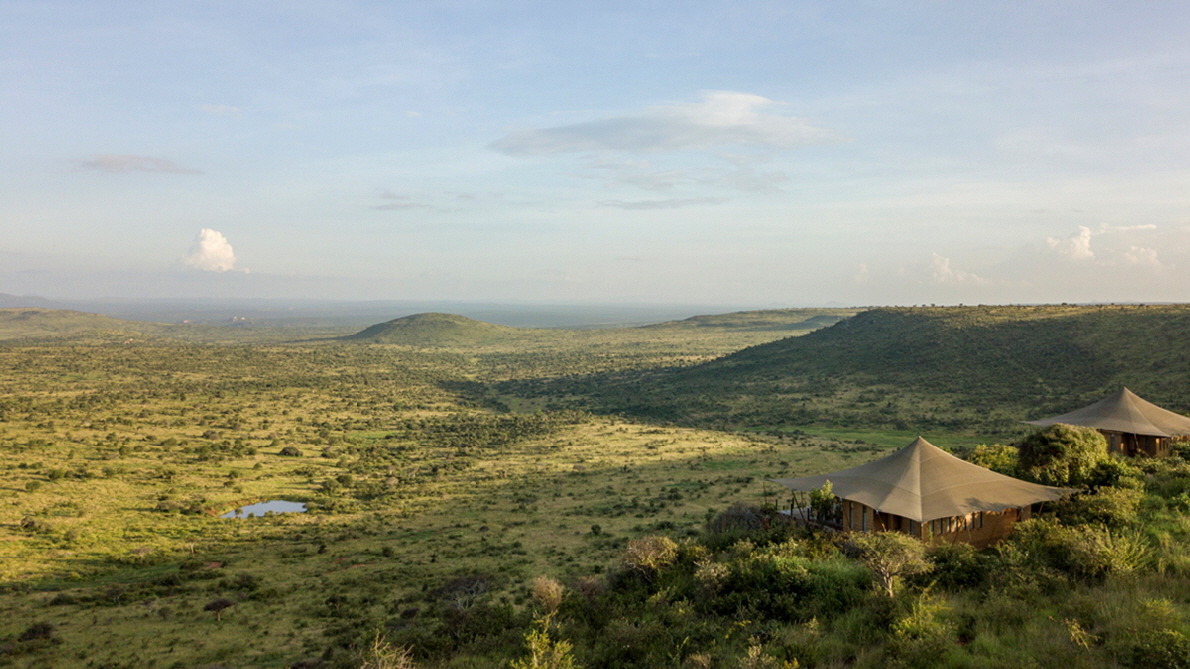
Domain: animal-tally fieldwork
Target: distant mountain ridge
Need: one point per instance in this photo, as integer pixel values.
(766, 319)
(37, 322)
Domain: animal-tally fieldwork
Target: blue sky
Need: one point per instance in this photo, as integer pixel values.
(753, 153)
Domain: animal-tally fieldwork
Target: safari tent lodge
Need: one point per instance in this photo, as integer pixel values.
(925, 492)
(1132, 426)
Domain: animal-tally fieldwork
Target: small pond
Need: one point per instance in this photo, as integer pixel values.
(261, 508)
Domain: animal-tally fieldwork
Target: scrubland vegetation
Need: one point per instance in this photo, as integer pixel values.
(454, 522)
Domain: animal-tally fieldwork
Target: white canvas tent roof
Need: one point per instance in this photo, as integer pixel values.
(1124, 412)
(923, 482)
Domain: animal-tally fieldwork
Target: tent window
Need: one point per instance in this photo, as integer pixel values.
(850, 515)
(864, 511)
(979, 519)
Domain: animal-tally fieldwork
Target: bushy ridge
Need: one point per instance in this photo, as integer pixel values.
(433, 329)
(766, 319)
(41, 323)
(918, 368)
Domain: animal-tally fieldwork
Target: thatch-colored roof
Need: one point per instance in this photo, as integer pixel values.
(923, 482)
(1125, 412)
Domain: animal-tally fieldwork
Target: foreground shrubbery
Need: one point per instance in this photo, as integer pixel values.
(1099, 581)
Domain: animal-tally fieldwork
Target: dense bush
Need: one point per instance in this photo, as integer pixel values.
(1062, 455)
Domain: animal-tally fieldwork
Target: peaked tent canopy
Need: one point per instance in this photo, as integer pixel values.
(923, 482)
(1125, 412)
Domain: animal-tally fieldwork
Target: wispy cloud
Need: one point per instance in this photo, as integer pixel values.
(676, 203)
(398, 206)
(116, 163)
(721, 118)
(221, 110)
(211, 252)
(397, 202)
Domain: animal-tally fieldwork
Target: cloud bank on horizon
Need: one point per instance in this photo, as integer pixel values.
(750, 153)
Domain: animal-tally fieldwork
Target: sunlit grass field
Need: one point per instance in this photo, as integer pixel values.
(117, 454)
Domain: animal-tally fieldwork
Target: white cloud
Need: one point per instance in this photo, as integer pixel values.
(721, 118)
(862, 273)
(675, 203)
(211, 252)
(1075, 247)
(1142, 256)
(113, 162)
(1126, 228)
(221, 110)
(942, 272)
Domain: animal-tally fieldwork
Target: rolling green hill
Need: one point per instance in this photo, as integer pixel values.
(40, 323)
(916, 368)
(435, 329)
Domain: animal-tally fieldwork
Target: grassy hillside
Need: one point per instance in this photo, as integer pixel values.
(797, 320)
(25, 322)
(914, 368)
(434, 329)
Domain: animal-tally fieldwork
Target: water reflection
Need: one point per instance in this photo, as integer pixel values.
(261, 508)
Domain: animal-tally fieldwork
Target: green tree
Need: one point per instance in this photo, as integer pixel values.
(890, 556)
(822, 502)
(1062, 455)
(996, 457)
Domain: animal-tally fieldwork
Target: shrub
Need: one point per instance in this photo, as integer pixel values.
(649, 555)
(382, 655)
(1086, 552)
(1158, 649)
(547, 592)
(544, 652)
(790, 587)
(37, 631)
(737, 517)
(1114, 471)
(1062, 455)
(956, 566)
(1113, 507)
(919, 637)
(997, 457)
(290, 452)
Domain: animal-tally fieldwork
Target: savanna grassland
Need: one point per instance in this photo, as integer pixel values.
(121, 443)
(489, 497)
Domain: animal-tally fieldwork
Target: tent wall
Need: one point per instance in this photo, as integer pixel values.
(980, 529)
(1126, 443)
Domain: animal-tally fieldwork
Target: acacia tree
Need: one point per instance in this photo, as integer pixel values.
(890, 556)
